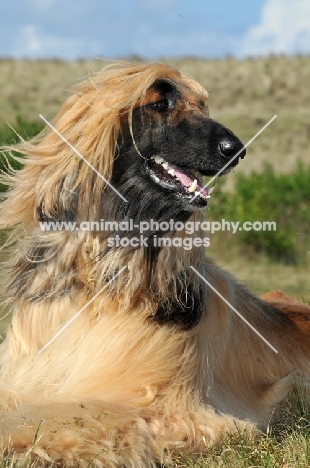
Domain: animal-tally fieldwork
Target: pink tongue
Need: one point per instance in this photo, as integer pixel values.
(187, 181)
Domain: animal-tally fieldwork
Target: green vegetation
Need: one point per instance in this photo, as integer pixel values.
(267, 196)
(9, 135)
(22, 127)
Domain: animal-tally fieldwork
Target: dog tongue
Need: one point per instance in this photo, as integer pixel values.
(187, 180)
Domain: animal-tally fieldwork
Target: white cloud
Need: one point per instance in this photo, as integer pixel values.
(284, 28)
(32, 42)
(28, 40)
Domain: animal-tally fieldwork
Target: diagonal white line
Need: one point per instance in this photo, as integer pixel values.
(82, 157)
(80, 311)
(236, 155)
(234, 310)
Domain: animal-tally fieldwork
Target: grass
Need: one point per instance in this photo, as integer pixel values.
(260, 273)
(286, 445)
(265, 453)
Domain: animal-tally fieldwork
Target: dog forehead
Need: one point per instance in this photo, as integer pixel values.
(160, 89)
(164, 88)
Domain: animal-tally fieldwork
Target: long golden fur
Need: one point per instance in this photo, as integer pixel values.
(125, 385)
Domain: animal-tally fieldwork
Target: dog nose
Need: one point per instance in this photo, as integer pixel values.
(230, 146)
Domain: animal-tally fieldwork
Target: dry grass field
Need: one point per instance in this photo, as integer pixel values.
(244, 95)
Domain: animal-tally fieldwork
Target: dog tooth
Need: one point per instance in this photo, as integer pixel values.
(165, 165)
(171, 172)
(201, 195)
(158, 159)
(193, 187)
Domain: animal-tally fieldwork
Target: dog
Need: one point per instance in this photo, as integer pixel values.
(123, 348)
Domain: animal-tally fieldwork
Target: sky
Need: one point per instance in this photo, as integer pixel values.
(151, 29)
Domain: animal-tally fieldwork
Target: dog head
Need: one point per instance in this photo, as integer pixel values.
(145, 129)
(168, 145)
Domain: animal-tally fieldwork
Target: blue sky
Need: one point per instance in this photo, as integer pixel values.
(70, 29)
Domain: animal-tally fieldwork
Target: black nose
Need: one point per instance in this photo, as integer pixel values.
(230, 146)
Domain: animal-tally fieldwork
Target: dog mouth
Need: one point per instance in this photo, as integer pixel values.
(186, 183)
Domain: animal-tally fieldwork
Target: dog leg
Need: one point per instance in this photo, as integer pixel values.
(110, 435)
(246, 377)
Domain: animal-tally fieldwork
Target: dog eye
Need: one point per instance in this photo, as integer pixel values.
(160, 106)
(203, 107)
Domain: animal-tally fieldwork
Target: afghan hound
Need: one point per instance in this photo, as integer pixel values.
(123, 347)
